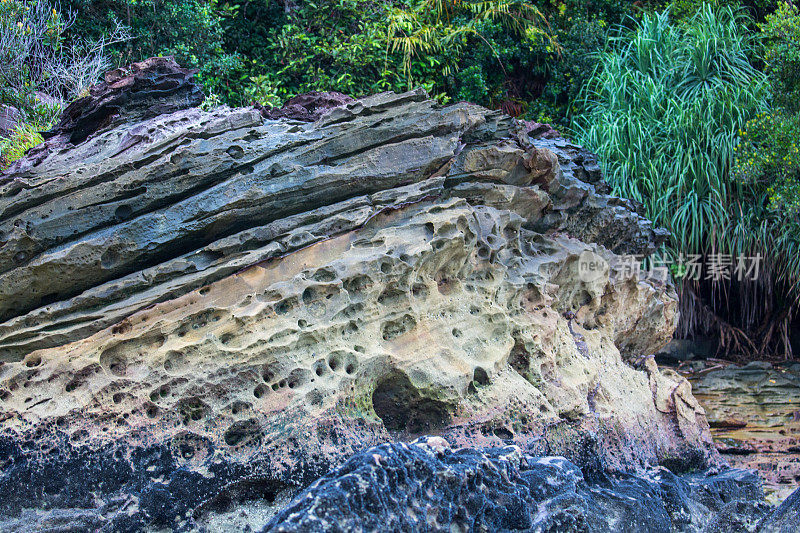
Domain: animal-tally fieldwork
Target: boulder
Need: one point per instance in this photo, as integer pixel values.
(426, 485)
(191, 300)
(9, 118)
(308, 107)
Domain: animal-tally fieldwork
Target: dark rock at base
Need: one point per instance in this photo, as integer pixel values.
(785, 518)
(737, 516)
(428, 486)
(423, 485)
(126, 488)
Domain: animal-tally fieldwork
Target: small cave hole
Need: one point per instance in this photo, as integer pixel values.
(123, 212)
(503, 433)
(401, 407)
(520, 358)
(480, 376)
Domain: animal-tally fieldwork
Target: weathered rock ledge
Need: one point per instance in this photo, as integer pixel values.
(193, 299)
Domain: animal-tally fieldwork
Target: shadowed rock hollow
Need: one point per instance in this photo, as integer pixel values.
(190, 299)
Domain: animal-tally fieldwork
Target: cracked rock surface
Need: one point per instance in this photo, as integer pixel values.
(197, 300)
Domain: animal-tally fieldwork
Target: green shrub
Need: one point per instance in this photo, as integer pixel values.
(565, 72)
(781, 36)
(337, 45)
(683, 10)
(666, 108)
(499, 53)
(191, 30)
(15, 146)
(769, 157)
(35, 58)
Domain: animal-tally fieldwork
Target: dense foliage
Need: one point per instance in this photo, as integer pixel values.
(40, 72)
(768, 155)
(682, 122)
(34, 58)
(525, 57)
(692, 105)
(191, 30)
(663, 113)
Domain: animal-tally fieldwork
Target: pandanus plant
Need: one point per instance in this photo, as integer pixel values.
(665, 109)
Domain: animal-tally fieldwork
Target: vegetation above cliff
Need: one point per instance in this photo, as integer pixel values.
(691, 104)
(682, 121)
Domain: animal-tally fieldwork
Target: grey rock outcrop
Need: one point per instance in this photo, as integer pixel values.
(9, 118)
(785, 518)
(193, 299)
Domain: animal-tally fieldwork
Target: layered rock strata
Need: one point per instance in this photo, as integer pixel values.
(754, 414)
(192, 299)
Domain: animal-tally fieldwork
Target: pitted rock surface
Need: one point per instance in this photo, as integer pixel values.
(196, 299)
(426, 486)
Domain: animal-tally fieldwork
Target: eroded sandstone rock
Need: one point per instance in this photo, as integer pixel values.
(754, 413)
(195, 299)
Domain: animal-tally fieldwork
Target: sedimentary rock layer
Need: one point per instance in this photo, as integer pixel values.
(754, 413)
(197, 298)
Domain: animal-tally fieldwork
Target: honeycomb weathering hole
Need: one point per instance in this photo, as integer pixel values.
(401, 407)
(242, 432)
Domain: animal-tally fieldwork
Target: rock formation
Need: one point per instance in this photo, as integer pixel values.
(193, 300)
(9, 118)
(411, 487)
(754, 414)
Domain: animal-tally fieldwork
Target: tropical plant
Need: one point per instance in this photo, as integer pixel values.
(666, 106)
(430, 26)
